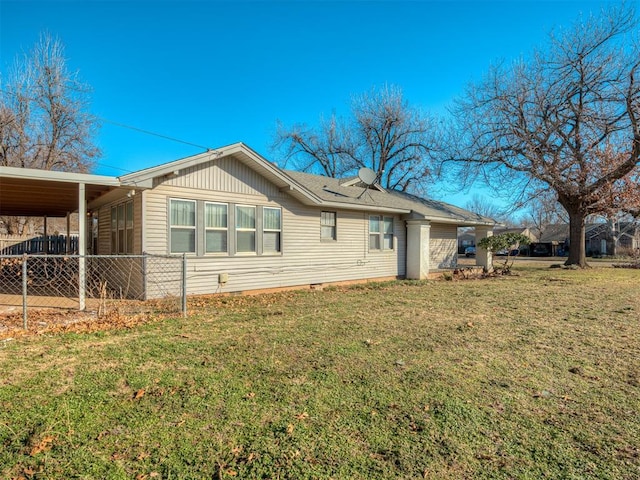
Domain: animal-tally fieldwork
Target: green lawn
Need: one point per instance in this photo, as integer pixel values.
(534, 376)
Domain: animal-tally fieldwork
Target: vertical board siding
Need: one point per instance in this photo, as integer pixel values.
(224, 175)
(443, 246)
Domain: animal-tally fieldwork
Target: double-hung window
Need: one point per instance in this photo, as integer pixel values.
(271, 230)
(182, 214)
(129, 227)
(245, 229)
(380, 233)
(216, 228)
(122, 228)
(387, 233)
(328, 226)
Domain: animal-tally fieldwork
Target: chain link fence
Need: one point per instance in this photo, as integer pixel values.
(98, 283)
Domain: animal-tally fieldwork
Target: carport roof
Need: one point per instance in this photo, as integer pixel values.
(30, 192)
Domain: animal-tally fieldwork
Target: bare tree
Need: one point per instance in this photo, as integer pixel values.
(567, 119)
(384, 133)
(544, 211)
(481, 205)
(44, 118)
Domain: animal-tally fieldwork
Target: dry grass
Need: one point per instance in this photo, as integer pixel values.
(521, 377)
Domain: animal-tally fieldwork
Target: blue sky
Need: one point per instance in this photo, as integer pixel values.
(214, 73)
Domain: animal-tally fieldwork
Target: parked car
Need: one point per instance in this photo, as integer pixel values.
(470, 252)
(504, 252)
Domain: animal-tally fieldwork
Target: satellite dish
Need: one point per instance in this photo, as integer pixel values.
(367, 176)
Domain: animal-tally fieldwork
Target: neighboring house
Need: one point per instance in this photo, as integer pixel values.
(553, 240)
(245, 224)
(612, 239)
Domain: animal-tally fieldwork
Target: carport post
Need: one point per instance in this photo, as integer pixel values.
(25, 284)
(82, 245)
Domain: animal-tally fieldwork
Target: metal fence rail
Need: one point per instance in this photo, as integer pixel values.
(93, 282)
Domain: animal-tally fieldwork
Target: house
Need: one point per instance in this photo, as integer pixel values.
(244, 224)
(553, 240)
(612, 238)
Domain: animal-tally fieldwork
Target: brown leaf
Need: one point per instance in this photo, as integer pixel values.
(302, 416)
(44, 444)
(290, 428)
(139, 394)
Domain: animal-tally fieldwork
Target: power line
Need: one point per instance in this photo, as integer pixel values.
(148, 132)
(123, 125)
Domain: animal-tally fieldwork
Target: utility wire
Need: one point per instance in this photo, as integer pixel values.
(118, 124)
(148, 132)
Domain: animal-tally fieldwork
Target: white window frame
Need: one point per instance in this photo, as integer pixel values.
(119, 228)
(184, 227)
(272, 230)
(245, 229)
(216, 229)
(334, 226)
(381, 234)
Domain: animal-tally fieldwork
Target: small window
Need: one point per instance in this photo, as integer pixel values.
(328, 226)
(114, 230)
(245, 229)
(121, 229)
(216, 228)
(182, 226)
(271, 230)
(374, 232)
(387, 239)
(380, 233)
(129, 227)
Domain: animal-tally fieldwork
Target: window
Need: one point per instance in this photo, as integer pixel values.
(182, 226)
(122, 228)
(380, 233)
(245, 229)
(387, 231)
(328, 226)
(271, 230)
(114, 230)
(216, 228)
(374, 232)
(129, 227)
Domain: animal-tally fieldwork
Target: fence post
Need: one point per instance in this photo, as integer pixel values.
(184, 284)
(24, 290)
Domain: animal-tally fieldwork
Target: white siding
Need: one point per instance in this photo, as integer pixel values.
(304, 260)
(443, 246)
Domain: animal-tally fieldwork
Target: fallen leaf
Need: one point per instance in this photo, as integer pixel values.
(139, 394)
(302, 416)
(43, 445)
(290, 428)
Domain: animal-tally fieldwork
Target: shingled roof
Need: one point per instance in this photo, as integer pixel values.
(335, 190)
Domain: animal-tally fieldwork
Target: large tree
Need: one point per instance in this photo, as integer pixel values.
(566, 119)
(383, 133)
(44, 118)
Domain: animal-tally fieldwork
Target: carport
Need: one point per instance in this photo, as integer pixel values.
(29, 192)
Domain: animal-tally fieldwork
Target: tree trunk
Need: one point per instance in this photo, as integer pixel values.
(577, 254)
